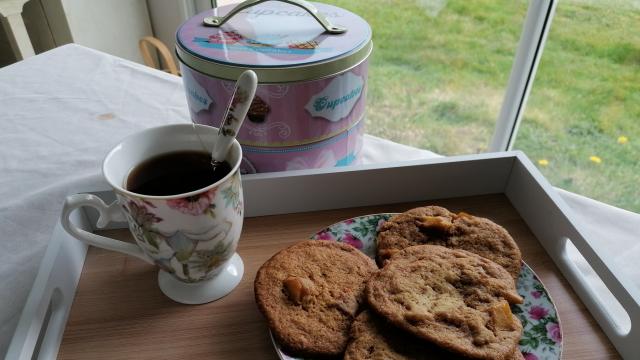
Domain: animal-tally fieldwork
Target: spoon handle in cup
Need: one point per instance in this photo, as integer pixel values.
(239, 105)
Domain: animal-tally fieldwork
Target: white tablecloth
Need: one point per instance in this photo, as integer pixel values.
(60, 112)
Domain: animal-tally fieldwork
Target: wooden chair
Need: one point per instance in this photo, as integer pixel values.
(146, 43)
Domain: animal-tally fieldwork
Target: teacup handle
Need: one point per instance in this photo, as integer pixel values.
(107, 213)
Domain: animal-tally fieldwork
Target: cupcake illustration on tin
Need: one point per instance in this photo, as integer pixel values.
(258, 110)
(226, 37)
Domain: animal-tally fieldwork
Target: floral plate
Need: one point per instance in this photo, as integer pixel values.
(541, 335)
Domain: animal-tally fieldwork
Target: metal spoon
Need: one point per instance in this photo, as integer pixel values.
(236, 111)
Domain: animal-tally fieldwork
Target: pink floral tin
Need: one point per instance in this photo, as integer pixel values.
(340, 150)
(311, 61)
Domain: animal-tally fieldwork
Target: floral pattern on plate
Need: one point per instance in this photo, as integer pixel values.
(542, 333)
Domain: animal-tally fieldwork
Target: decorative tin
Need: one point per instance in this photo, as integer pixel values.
(311, 61)
(340, 150)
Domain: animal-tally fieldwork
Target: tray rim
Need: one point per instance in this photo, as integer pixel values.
(510, 173)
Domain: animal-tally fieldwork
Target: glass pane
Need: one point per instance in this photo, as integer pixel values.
(439, 69)
(582, 122)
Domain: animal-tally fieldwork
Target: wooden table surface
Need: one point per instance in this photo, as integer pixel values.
(120, 313)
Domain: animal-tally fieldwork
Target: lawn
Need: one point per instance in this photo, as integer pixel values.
(440, 68)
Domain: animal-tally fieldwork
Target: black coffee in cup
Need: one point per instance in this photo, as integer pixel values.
(175, 173)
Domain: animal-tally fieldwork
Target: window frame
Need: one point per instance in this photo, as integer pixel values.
(523, 71)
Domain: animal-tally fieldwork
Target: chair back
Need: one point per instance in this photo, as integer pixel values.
(146, 44)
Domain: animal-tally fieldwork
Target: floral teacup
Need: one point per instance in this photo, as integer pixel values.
(191, 237)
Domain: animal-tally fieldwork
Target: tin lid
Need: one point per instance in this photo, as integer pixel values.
(281, 41)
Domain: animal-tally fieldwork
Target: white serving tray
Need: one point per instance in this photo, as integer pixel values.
(44, 316)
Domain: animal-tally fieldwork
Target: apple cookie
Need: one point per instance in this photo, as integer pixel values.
(310, 293)
(435, 225)
(373, 339)
(453, 298)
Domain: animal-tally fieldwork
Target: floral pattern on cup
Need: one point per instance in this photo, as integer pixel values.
(542, 333)
(193, 255)
(195, 205)
(232, 195)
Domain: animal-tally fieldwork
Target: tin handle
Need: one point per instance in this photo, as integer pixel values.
(217, 21)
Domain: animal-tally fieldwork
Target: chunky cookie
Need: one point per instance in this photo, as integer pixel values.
(310, 293)
(373, 339)
(436, 225)
(453, 298)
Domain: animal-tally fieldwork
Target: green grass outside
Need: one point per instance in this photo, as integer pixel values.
(439, 71)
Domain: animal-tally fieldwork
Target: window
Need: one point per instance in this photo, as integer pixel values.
(581, 125)
(439, 69)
